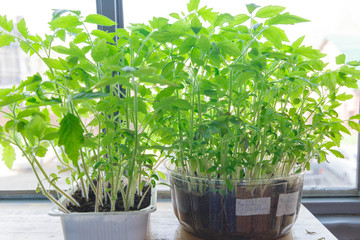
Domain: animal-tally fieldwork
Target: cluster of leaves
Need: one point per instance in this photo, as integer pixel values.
(100, 90)
(250, 103)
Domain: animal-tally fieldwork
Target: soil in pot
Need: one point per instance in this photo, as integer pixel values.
(259, 224)
(183, 201)
(268, 226)
(211, 211)
(173, 199)
(293, 192)
(89, 206)
(211, 208)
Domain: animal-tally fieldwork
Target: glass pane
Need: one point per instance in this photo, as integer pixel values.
(16, 66)
(334, 29)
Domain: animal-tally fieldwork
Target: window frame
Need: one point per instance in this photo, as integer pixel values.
(115, 11)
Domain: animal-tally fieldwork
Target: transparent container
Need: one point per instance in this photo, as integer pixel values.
(254, 209)
(129, 225)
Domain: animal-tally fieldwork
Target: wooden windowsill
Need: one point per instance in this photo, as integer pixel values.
(22, 219)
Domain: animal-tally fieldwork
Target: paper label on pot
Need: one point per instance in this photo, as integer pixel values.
(252, 206)
(287, 204)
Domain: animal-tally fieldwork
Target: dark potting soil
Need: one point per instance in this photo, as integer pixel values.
(89, 206)
(211, 214)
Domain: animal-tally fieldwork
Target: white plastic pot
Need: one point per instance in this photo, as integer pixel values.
(130, 225)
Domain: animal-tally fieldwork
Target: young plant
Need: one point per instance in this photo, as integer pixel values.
(91, 107)
(251, 104)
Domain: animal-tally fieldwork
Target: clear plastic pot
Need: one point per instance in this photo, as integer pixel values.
(254, 209)
(130, 225)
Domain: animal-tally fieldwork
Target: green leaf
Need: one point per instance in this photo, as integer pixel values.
(229, 47)
(298, 42)
(50, 134)
(212, 169)
(193, 5)
(240, 18)
(336, 153)
(6, 39)
(107, 139)
(286, 18)
(165, 36)
(207, 14)
(344, 97)
(71, 136)
(168, 70)
(354, 125)
(99, 20)
(269, 11)
(62, 50)
(89, 95)
(353, 63)
(61, 34)
(196, 25)
(99, 51)
(342, 128)
(5, 24)
(157, 80)
(292, 111)
(58, 12)
(204, 43)
(8, 154)
(175, 15)
(273, 36)
(161, 175)
(228, 184)
(65, 22)
(350, 70)
(340, 59)
(36, 126)
(196, 58)
(40, 151)
(5, 91)
(53, 63)
(187, 44)
(113, 80)
(181, 104)
(166, 92)
(21, 27)
(81, 37)
(7, 100)
(251, 7)
(222, 18)
(215, 56)
(24, 47)
(309, 52)
(357, 117)
(158, 22)
(80, 75)
(329, 80)
(316, 64)
(103, 35)
(76, 51)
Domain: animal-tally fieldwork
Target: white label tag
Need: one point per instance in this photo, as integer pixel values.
(253, 206)
(287, 204)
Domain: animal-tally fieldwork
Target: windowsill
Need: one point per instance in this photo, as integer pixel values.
(28, 219)
(332, 205)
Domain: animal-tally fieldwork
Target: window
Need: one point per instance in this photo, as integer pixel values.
(16, 66)
(334, 29)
